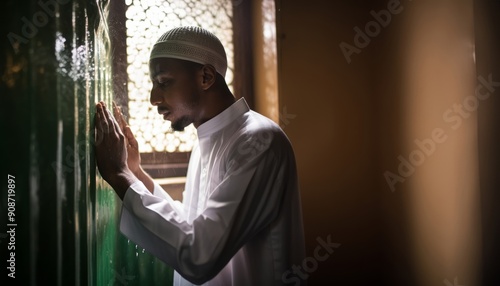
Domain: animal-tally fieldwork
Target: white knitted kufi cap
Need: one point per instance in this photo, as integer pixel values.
(193, 44)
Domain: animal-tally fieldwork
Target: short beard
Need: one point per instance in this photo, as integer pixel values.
(180, 124)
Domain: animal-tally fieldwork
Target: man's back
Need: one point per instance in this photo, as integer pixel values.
(240, 222)
(241, 219)
(252, 152)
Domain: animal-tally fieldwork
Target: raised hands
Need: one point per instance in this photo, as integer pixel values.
(133, 158)
(111, 151)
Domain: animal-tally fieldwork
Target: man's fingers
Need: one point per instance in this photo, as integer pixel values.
(124, 126)
(112, 124)
(97, 123)
(117, 112)
(130, 137)
(102, 123)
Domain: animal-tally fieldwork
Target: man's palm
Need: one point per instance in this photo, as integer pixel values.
(133, 158)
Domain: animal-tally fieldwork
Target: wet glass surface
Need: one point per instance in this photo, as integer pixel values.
(55, 65)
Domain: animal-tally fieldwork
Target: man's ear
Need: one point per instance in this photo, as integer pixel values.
(209, 74)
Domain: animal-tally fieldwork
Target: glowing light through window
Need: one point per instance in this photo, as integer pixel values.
(146, 21)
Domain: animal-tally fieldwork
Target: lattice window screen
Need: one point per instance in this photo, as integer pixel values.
(146, 21)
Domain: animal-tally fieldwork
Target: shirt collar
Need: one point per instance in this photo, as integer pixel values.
(224, 118)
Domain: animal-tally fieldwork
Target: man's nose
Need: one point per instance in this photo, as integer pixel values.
(155, 97)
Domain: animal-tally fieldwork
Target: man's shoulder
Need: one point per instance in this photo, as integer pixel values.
(259, 133)
(256, 122)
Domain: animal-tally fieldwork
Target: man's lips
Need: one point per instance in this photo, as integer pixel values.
(163, 111)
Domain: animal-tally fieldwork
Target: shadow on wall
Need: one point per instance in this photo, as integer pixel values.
(386, 137)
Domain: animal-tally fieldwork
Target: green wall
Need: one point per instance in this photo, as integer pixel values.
(54, 66)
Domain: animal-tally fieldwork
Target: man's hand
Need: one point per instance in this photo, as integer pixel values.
(111, 151)
(133, 155)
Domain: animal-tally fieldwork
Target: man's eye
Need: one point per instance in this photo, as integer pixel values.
(157, 83)
(164, 82)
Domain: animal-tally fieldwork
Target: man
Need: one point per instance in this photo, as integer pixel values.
(240, 220)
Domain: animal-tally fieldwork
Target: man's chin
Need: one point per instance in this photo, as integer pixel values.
(177, 128)
(180, 124)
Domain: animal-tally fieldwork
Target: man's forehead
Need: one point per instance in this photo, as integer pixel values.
(161, 65)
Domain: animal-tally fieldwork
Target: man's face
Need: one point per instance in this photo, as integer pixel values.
(175, 91)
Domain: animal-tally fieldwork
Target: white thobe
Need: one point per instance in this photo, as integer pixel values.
(240, 222)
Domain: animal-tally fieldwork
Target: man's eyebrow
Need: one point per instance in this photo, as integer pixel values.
(158, 73)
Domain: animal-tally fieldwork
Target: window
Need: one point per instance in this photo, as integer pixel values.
(134, 26)
(146, 21)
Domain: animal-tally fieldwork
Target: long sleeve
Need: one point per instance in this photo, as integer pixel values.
(247, 200)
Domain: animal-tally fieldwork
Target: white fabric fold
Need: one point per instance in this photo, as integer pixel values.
(240, 222)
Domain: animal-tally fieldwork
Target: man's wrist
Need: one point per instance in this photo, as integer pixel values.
(122, 181)
(139, 172)
(145, 179)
